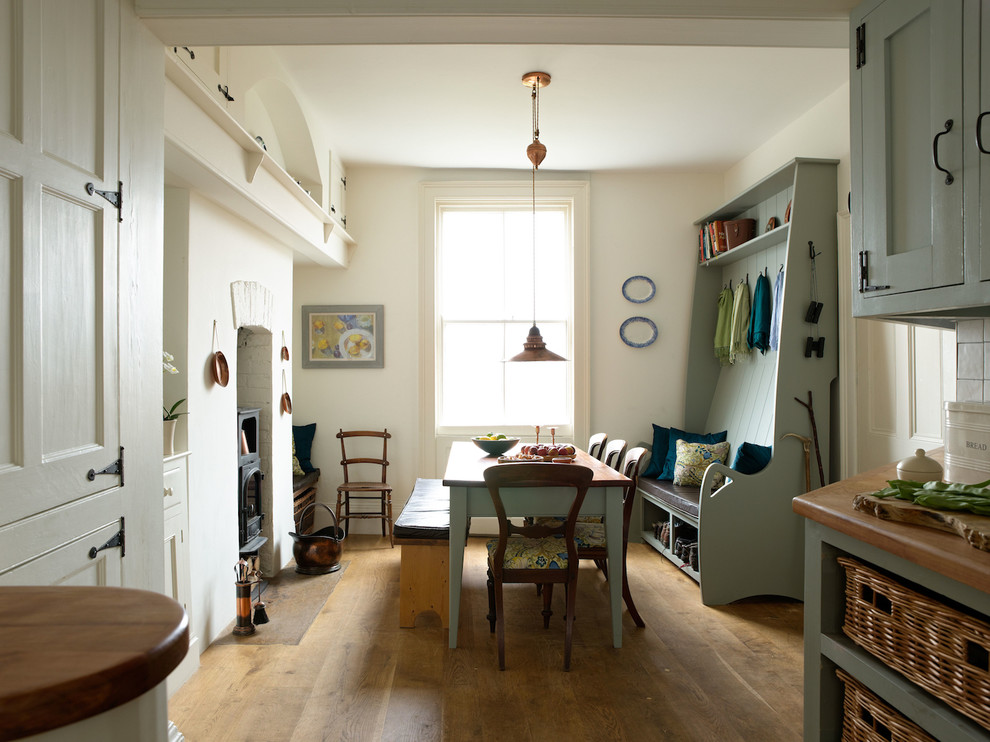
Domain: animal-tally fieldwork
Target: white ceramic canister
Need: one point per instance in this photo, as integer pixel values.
(919, 468)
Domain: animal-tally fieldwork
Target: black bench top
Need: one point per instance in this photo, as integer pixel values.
(682, 498)
(306, 480)
(426, 514)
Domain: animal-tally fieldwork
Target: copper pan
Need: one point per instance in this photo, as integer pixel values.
(221, 372)
(286, 403)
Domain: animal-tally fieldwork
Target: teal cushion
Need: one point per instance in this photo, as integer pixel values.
(532, 553)
(751, 458)
(302, 436)
(676, 435)
(661, 439)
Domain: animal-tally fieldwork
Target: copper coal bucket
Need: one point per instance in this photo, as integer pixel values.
(317, 553)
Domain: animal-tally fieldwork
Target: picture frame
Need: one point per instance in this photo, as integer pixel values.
(343, 336)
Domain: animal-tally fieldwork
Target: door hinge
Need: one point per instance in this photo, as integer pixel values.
(864, 274)
(225, 92)
(860, 45)
(116, 540)
(116, 467)
(344, 182)
(114, 197)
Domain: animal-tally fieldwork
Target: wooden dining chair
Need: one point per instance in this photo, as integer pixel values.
(590, 537)
(377, 490)
(540, 554)
(596, 445)
(614, 452)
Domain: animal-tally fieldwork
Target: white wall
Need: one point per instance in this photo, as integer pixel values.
(641, 223)
(222, 250)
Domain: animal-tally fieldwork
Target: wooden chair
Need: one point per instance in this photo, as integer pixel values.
(614, 452)
(536, 555)
(596, 445)
(379, 490)
(590, 537)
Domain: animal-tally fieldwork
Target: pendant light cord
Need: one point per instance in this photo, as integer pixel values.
(534, 245)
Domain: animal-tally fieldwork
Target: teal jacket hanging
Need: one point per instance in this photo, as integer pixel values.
(759, 322)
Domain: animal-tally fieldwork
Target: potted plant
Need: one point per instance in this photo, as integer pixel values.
(169, 416)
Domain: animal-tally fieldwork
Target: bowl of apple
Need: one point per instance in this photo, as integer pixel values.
(495, 445)
(562, 453)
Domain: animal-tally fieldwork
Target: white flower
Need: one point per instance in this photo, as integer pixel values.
(167, 366)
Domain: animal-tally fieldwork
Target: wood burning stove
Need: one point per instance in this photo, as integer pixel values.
(249, 504)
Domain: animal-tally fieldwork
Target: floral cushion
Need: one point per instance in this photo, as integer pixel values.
(590, 535)
(532, 553)
(694, 458)
(556, 520)
(297, 470)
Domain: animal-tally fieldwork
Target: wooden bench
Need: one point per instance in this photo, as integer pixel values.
(304, 495)
(422, 530)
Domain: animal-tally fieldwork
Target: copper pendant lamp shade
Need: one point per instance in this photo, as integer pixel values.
(534, 349)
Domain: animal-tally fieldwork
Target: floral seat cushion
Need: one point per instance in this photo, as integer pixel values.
(532, 553)
(590, 535)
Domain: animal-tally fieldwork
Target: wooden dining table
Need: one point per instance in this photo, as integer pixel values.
(465, 477)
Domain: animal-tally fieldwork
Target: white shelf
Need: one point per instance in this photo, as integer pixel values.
(207, 150)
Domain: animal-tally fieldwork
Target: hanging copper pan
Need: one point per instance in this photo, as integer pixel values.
(286, 403)
(285, 348)
(220, 370)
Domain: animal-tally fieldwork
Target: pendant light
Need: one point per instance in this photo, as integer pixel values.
(534, 349)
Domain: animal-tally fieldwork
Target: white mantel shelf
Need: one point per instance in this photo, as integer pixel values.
(208, 151)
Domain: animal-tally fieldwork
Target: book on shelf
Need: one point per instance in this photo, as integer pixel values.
(712, 240)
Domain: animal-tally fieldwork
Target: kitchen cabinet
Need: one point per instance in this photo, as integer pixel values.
(915, 86)
(338, 190)
(208, 64)
(939, 565)
(178, 582)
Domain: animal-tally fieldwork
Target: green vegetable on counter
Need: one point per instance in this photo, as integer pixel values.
(974, 498)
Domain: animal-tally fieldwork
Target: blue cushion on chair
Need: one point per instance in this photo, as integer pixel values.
(751, 458)
(302, 436)
(532, 553)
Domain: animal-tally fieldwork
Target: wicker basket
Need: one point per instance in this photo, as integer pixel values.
(866, 718)
(941, 649)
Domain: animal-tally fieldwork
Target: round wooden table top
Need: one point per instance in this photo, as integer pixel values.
(69, 653)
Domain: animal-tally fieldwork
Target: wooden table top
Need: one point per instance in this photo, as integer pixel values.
(69, 653)
(939, 551)
(467, 463)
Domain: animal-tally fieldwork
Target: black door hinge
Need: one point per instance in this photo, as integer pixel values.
(344, 181)
(114, 197)
(116, 540)
(864, 274)
(116, 467)
(225, 92)
(860, 45)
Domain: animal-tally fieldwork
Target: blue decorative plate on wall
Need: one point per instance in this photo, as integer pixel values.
(639, 289)
(638, 332)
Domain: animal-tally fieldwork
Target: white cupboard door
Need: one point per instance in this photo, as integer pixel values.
(910, 88)
(59, 363)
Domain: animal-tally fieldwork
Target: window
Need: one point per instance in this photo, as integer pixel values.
(483, 269)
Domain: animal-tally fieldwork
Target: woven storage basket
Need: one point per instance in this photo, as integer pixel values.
(866, 718)
(738, 231)
(941, 649)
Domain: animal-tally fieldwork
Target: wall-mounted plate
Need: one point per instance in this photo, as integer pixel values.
(639, 289)
(638, 332)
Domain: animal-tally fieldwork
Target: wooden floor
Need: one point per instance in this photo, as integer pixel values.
(694, 673)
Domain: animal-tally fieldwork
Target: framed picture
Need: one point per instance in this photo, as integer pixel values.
(343, 336)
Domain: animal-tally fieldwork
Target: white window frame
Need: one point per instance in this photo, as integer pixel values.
(434, 196)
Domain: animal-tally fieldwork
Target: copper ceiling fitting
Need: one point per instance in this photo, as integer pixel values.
(536, 151)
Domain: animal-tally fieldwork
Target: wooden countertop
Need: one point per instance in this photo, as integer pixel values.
(941, 552)
(467, 463)
(69, 653)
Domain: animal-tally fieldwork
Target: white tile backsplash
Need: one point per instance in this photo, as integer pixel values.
(970, 331)
(969, 360)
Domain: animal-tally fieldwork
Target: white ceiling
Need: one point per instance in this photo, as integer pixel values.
(671, 84)
(607, 107)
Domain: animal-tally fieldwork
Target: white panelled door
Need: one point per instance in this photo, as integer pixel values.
(59, 360)
(905, 375)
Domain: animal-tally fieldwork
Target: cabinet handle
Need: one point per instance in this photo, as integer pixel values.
(979, 136)
(948, 175)
(169, 492)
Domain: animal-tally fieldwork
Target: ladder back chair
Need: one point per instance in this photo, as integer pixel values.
(534, 553)
(378, 490)
(596, 445)
(590, 537)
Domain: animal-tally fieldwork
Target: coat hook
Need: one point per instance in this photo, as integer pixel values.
(781, 270)
(811, 250)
